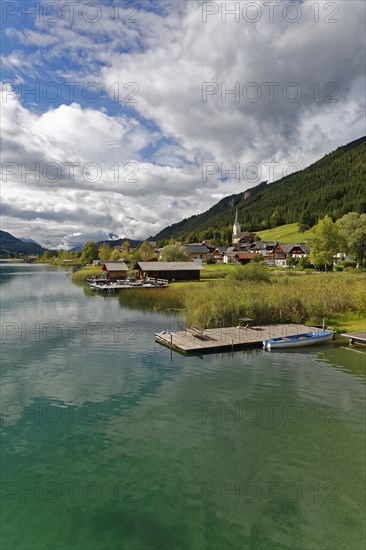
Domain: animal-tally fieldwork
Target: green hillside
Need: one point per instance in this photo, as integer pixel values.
(285, 233)
(334, 185)
(10, 246)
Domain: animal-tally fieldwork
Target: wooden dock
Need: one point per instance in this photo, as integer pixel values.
(228, 338)
(356, 338)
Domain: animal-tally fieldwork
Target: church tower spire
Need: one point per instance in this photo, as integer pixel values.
(236, 226)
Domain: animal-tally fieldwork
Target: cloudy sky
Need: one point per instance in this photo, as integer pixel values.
(122, 117)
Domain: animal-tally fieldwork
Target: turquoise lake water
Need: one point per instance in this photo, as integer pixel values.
(111, 441)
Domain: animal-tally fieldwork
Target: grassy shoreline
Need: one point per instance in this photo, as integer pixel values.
(85, 272)
(308, 298)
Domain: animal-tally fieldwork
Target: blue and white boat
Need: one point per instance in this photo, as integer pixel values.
(299, 340)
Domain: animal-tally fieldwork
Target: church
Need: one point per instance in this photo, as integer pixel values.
(240, 236)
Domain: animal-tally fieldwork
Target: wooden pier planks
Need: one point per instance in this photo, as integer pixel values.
(356, 337)
(228, 337)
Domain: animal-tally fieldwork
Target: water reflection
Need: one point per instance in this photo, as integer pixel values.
(150, 429)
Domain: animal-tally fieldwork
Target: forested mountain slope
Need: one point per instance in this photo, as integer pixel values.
(334, 185)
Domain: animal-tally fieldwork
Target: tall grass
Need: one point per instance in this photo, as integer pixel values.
(253, 272)
(307, 297)
(85, 272)
(153, 298)
(291, 299)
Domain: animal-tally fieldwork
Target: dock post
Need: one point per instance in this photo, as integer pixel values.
(171, 341)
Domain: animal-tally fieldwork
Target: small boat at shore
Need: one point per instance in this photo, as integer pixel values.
(98, 280)
(112, 286)
(299, 340)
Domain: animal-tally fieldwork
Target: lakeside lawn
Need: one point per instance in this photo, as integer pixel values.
(219, 267)
(217, 271)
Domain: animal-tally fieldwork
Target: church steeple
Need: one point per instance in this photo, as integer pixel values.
(236, 226)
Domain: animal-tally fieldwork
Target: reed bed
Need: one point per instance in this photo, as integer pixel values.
(305, 298)
(298, 299)
(308, 297)
(158, 299)
(85, 272)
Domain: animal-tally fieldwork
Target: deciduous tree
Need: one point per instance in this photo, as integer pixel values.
(89, 252)
(115, 255)
(105, 252)
(352, 229)
(174, 253)
(324, 243)
(147, 251)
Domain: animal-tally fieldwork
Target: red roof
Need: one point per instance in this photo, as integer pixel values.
(245, 255)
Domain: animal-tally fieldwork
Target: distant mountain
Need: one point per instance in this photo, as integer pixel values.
(27, 240)
(10, 246)
(118, 242)
(77, 248)
(334, 185)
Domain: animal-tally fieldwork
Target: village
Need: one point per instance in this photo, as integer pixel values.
(246, 247)
(245, 320)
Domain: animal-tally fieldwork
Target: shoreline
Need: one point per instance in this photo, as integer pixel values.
(339, 297)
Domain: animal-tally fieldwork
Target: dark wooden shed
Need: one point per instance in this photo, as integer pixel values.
(172, 271)
(116, 270)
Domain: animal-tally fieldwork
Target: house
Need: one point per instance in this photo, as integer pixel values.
(229, 256)
(209, 245)
(269, 248)
(265, 248)
(115, 270)
(243, 258)
(218, 254)
(172, 271)
(283, 251)
(197, 251)
(151, 259)
(234, 248)
(247, 237)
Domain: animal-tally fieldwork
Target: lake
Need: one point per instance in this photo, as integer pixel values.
(111, 441)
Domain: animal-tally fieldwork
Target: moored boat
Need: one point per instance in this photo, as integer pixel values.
(111, 286)
(299, 340)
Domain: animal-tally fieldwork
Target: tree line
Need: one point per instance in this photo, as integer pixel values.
(173, 252)
(346, 236)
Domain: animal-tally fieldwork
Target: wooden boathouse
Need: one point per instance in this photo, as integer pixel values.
(171, 271)
(115, 270)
